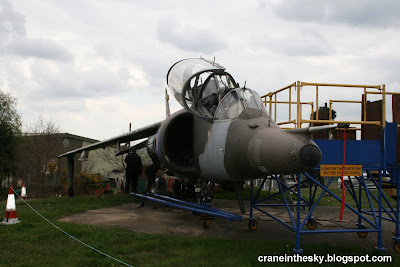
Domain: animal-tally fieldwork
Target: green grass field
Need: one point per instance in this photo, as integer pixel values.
(35, 242)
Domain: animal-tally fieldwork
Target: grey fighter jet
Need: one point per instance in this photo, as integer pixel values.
(223, 132)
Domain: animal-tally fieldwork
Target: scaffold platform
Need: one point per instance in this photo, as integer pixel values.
(377, 158)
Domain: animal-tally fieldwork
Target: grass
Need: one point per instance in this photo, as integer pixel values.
(34, 242)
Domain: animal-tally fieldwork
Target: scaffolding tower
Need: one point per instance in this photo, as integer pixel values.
(374, 160)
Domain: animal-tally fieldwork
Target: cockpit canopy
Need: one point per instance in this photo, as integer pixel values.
(203, 88)
(236, 101)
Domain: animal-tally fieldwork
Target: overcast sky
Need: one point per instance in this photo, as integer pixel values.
(92, 67)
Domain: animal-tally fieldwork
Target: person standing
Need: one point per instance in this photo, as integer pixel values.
(150, 172)
(133, 170)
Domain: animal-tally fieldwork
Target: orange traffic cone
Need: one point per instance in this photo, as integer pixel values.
(23, 191)
(11, 211)
(122, 189)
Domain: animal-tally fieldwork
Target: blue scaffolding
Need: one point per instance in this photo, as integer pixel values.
(202, 209)
(378, 156)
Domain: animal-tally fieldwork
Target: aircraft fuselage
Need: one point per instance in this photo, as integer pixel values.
(248, 147)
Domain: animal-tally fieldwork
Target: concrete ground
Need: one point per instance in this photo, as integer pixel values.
(158, 218)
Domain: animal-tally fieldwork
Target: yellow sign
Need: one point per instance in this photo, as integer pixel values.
(336, 170)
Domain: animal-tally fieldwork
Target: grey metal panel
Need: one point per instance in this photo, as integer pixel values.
(212, 160)
(256, 151)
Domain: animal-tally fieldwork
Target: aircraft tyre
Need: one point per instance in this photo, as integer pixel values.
(311, 224)
(206, 223)
(206, 220)
(362, 234)
(253, 225)
(396, 247)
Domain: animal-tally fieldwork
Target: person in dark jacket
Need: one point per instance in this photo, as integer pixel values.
(150, 172)
(133, 170)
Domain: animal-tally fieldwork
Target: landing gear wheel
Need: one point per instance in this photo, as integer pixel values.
(206, 223)
(253, 225)
(311, 224)
(396, 247)
(207, 220)
(362, 234)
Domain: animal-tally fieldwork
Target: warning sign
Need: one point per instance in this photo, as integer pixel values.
(336, 170)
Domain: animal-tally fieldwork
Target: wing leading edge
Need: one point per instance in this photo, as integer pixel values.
(129, 136)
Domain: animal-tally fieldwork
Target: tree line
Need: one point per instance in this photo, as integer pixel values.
(30, 154)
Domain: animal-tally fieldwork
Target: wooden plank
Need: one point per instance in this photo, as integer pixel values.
(396, 119)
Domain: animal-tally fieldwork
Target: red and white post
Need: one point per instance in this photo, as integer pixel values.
(23, 191)
(11, 211)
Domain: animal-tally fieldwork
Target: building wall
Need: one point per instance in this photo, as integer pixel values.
(102, 161)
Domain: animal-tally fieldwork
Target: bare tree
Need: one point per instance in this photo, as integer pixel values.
(117, 163)
(89, 165)
(108, 155)
(37, 157)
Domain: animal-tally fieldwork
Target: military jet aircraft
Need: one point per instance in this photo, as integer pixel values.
(223, 132)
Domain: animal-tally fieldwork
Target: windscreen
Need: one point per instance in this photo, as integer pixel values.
(236, 101)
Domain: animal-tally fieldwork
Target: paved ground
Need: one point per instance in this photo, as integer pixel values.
(157, 218)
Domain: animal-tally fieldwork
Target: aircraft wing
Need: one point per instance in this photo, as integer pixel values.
(129, 136)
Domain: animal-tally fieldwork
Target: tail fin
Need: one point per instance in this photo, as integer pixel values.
(167, 111)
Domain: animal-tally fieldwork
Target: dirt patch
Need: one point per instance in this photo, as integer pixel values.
(162, 219)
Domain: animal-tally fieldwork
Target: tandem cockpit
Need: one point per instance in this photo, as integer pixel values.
(203, 88)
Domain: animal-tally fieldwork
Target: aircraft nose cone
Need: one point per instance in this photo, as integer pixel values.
(310, 156)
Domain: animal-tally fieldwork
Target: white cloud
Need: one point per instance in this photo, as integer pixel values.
(367, 13)
(13, 39)
(38, 48)
(11, 22)
(305, 42)
(190, 38)
(94, 66)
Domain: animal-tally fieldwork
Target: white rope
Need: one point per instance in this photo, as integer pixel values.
(70, 236)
